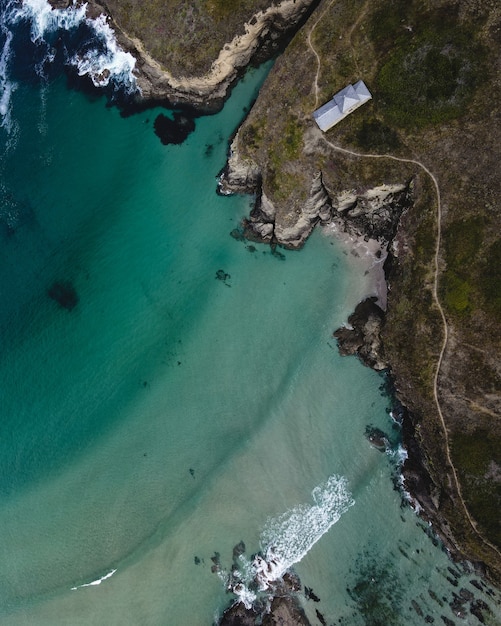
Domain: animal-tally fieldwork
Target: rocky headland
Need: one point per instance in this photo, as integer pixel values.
(414, 174)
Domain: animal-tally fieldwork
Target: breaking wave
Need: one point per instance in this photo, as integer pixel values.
(6, 86)
(85, 44)
(286, 539)
(98, 581)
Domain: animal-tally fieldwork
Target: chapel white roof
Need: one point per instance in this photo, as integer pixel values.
(341, 105)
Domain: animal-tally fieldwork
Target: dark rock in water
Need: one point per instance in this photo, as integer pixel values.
(308, 592)
(457, 606)
(417, 608)
(222, 275)
(209, 149)
(239, 549)
(447, 621)
(197, 560)
(466, 595)
(364, 336)
(63, 292)
(477, 608)
(237, 234)
(320, 617)
(285, 610)
(238, 615)
(173, 131)
(377, 438)
(291, 582)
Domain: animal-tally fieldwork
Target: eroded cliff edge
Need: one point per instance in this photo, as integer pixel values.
(192, 53)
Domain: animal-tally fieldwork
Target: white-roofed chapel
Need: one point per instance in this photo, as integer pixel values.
(341, 105)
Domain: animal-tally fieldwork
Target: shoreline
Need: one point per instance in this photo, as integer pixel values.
(263, 35)
(207, 94)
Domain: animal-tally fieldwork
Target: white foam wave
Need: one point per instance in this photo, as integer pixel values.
(113, 65)
(43, 18)
(98, 581)
(286, 539)
(7, 87)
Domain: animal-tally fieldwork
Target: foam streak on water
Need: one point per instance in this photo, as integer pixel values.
(96, 582)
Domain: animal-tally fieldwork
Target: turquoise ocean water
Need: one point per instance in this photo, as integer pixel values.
(192, 398)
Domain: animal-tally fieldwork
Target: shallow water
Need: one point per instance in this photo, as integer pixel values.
(192, 398)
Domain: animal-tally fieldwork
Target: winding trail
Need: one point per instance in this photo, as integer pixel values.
(435, 284)
(312, 48)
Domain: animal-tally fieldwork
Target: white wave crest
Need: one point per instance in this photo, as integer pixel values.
(113, 65)
(98, 581)
(286, 539)
(43, 18)
(7, 87)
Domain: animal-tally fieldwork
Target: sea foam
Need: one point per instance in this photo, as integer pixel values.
(98, 581)
(6, 86)
(285, 540)
(100, 58)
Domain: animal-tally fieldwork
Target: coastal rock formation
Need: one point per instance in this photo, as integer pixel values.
(283, 611)
(372, 213)
(262, 224)
(239, 176)
(257, 37)
(362, 335)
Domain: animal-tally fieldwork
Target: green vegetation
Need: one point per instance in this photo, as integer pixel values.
(376, 136)
(490, 279)
(292, 142)
(185, 37)
(478, 455)
(462, 242)
(431, 72)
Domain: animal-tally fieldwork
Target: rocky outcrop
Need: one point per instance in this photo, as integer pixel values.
(374, 213)
(239, 176)
(317, 208)
(283, 610)
(362, 335)
(262, 36)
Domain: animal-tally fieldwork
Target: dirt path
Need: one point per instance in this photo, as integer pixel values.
(312, 48)
(435, 285)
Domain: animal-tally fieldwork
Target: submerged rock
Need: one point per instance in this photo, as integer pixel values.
(64, 293)
(176, 130)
